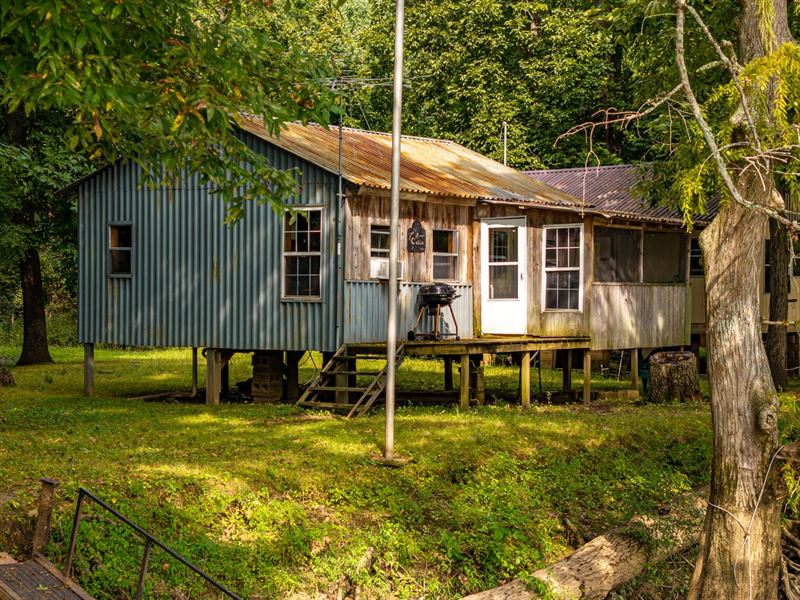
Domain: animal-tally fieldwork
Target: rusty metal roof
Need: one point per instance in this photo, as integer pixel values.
(427, 166)
(609, 191)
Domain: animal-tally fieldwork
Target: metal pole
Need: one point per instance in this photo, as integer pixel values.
(394, 242)
(505, 143)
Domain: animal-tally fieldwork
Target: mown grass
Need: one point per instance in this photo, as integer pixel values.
(276, 502)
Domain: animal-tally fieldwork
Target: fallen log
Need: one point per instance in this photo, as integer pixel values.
(608, 561)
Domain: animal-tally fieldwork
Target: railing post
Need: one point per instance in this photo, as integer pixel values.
(148, 546)
(44, 515)
(73, 538)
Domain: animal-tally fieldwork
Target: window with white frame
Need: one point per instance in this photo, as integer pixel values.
(562, 267)
(302, 253)
(445, 254)
(379, 241)
(120, 248)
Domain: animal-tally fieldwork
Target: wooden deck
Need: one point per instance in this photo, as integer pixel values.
(36, 579)
(482, 345)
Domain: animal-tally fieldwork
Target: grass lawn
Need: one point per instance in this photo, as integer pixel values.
(280, 503)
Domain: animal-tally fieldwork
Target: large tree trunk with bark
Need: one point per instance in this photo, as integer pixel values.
(739, 554)
(778, 302)
(34, 338)
(34, 323)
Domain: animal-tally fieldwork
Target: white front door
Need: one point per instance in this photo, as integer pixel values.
(504, 297)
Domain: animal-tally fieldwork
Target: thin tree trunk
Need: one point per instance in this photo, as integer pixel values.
(778, 302)
(739, 554)
(34, 323)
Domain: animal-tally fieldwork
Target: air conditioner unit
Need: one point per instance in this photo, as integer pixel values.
(379, 268)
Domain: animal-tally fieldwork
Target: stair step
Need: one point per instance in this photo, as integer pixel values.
(327, 388)
(365, 373)
(361, 357)
(337, 405)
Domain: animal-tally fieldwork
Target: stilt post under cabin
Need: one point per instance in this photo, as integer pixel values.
(213, 375)
(448, 373)
(41, 535)
(477, 375)
(587, 376)
(194, 372)
(293, 375)
(88, 369)
(464, 390)
(566, 373)
(525, 380)
(634, 369)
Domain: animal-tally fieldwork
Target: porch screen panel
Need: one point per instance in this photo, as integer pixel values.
(664, 258)
(503, 263)
(616, 255)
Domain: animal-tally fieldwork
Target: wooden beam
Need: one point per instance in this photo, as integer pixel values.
(525, 380)
(88, 370)
(634, 369)
(41, 535)
(464, 390)
(293, 375)
(566, 372)
(213, 375)
(587, 376)
(448, 373)
(194, 372)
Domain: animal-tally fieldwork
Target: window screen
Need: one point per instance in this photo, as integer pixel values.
(664, 259)
(302, 254)
(695, 259)
(445, 254)
(120, 246)
(616, 254)
(562, 267)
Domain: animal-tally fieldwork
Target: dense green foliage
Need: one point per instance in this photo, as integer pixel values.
(275, 501)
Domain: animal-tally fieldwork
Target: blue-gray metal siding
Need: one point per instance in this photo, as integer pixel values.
(365, 311)
(196, 281)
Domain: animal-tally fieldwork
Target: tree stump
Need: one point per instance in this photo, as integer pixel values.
(6, 379)
(673, 376)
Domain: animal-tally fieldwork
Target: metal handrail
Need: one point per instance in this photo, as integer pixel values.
(149, 542)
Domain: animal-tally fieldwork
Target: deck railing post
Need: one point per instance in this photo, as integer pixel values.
(44, 515)
(148, 546)
(73, 538)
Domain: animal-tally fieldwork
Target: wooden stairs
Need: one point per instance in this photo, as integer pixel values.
(336, 386)
(36, 579)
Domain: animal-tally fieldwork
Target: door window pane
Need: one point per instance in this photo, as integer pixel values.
(503, 282)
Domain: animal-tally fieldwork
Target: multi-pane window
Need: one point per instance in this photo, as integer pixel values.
(302, 253)
(445, 254)
(120, 247)
(379, 241)
(562, 267)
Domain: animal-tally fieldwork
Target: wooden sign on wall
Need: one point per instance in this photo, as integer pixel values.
(416, 237)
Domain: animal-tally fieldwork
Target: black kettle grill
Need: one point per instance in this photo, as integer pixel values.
(431, 298)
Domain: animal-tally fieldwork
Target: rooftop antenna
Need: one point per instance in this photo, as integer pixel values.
(505, 142)
(394, 242)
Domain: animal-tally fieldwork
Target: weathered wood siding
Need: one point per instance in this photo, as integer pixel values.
(364, 211)
(639, 315)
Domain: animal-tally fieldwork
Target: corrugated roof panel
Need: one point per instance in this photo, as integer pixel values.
(609, 190)
(428, 166)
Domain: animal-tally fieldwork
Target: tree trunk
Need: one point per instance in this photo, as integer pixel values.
(778, 302)
(673, 376)
(739, 555)
(34, 324)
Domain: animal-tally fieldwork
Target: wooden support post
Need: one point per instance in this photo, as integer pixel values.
(88, 370)
(566, 373)
(293, 375)
(194, 372)
(44, 515)
(587, 376)
(213, 375)
(634, 369)
(225, 378)
(448, 373)
(464, 391)
(525, 380)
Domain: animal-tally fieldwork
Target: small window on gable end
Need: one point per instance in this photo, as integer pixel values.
(445, 255)
(120, 247)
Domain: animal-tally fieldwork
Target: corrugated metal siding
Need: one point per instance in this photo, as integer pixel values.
(365, 311)
(196, 281)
